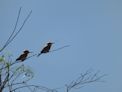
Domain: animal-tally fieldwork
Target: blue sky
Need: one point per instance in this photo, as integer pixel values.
(92, 28)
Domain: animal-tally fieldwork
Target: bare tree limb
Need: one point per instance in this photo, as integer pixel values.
(83, 79)
(12, 36)
(9, 39)
(60, 48)
(35, 86)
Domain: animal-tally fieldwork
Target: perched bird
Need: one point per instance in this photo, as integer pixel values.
(23, 56)
(46, 49)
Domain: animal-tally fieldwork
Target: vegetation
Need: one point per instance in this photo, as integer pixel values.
(15, 76)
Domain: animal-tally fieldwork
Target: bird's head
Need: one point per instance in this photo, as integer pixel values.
(27, 51)
(50, 43)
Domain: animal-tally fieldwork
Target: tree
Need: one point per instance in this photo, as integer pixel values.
(14, 76)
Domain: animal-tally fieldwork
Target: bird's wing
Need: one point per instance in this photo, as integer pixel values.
(45, 49)
(21, 57)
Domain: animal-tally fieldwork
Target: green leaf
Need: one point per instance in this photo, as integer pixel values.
(1, 58)
(7, 65)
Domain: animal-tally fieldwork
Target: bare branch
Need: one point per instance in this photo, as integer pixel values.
(35, 86)
(21, 26)
(60, 48)
(9, 39)
(83, 79)
(12, 36)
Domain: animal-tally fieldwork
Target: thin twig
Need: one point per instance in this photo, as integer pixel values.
(31, 56)
(35, 86)
(14, 74)
(8, 41)
(9, 65)
(21, 26)
(84, 79)
(60, 48)
(12, 36)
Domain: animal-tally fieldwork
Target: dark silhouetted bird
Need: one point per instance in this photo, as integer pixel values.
(46, 49)
(23, 56)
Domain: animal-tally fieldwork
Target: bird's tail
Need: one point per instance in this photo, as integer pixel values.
(17, 59)
(39, 54)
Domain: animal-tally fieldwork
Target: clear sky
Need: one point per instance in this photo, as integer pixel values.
(92, 28)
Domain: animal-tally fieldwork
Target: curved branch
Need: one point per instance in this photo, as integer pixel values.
(12, 36)
(60, 48)
(35, 86)
(8, 41)
(21, 27)
(86, 78)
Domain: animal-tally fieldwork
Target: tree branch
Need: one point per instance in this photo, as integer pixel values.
(9, 39)
(12, 36)
(86, 78)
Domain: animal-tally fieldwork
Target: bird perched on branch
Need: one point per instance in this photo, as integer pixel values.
(46, 49)
(23, 56)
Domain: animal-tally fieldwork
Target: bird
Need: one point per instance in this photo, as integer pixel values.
(46, 49)
(23, 56)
